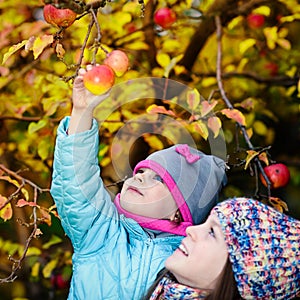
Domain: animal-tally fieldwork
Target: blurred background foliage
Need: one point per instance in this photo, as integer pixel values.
(259, 70)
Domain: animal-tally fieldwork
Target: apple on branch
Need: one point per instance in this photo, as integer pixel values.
(118, 61)
(255, 20)
(278, 174)
(99, 79)
(165, 17)
(59, 17)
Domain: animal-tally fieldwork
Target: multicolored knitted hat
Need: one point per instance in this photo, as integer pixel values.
(194, 180)
(264, 248)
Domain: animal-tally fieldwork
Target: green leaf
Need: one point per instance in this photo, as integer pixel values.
(43, 149)
(33, 126)
(53, 241)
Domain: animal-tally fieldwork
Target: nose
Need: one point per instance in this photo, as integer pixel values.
(193, 231)
(139, 177)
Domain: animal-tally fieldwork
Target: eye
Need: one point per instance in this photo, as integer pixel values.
(158, 178)
(139, 171)
(211, 232)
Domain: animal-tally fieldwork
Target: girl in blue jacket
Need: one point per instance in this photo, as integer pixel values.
(119, 246)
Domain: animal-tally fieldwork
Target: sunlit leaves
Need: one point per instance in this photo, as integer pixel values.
(35, 126)
(13, 49)
(155, 109)
(246, 44)
(200, 128)
(6, 212)
(193, 99)
(207, 107)
(40, 44)
(277, 36)
(235, 115)
(215, 124)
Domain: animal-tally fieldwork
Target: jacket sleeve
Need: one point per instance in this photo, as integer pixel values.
(83, 203)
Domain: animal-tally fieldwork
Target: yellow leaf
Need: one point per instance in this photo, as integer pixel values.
(43, 149)
(291, 18)
(33, 251)
(154, 142)
(172, 64)
(215, 124)
(263, 10)
(163, 59)
(13, 49)
(271, 36)
(249, 132)
(16, 183)
(235, 22)
(6, 212)
(200, 128)
(40, 44)
(278, 204)
(235, 115)
(264, 157)
(35, 269)
(171, 45)
(260, 128)
(285, 44)
(193, 99)
(138, 45)
(250, 155)
(209, 81)
(246, 44)
(50, 266)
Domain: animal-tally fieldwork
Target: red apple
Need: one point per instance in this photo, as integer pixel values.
(99, 79)
(278, 174)
(59, 281)
(59, 17)
(165, 17)
(272, 67)
(118, 61)
(255, 20)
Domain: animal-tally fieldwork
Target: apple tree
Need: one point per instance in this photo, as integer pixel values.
(219, 73)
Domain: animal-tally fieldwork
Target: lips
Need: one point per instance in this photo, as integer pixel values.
(134, 189)
(183, 249)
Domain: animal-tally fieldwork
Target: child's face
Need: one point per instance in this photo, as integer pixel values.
(202, 255)
(146, 194)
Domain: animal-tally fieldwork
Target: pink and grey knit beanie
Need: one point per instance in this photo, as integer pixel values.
(194, 180)
(264, 248)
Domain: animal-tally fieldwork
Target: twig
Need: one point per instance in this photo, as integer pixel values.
(228, 103)
(17, 263)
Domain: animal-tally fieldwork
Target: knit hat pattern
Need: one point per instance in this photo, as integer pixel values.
(264, 248)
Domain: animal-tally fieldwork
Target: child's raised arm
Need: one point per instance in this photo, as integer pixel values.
(84, 104)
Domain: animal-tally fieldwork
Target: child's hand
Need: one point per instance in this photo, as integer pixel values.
(83, 99)
(84, 104)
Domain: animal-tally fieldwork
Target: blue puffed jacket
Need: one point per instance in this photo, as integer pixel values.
(114, 257)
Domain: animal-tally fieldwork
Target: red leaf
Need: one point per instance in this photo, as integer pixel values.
(23, 202)
(235, 115)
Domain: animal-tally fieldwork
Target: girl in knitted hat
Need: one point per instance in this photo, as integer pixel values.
(119, 246)
(244, 250)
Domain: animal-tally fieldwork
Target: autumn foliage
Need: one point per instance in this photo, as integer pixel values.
(221, 74)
